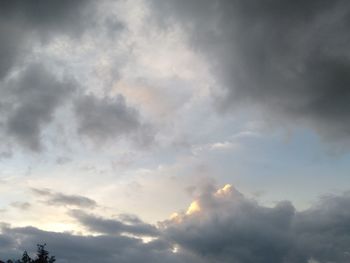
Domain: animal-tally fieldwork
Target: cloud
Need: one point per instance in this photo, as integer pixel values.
(37, 41)
(62, 15)
(225, 226)
(22, 22)
(60, 199)
(5, 155)
(74, 248)
(289, 59)
(113, 226)
(61, 160)
(21, 205)
(323, 230)
(32, 99)
(30, 91)
(219, 226)
(105, 118)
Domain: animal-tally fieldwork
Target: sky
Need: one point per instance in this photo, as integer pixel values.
(196, 131)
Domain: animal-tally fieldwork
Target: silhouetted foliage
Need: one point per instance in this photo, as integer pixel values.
(25, 258)
(42, 256)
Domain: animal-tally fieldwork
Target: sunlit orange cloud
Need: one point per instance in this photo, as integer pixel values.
(176, 217)
(193, 208)
(224, 191)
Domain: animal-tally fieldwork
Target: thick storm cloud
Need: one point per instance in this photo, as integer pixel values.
(225, 226)
(323, 231)
(289, 58)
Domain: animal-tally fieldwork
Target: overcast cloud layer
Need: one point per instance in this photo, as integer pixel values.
(113, 111)
(288, 59)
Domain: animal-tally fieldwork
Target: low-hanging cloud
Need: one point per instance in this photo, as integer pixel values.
(288, 58)
(219, 226)
(75, 248)
(113, 226)
(225, 226)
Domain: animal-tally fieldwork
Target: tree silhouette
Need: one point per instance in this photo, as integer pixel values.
(42, 256)
(25, 258)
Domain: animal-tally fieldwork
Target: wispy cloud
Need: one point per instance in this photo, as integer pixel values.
(60, 199)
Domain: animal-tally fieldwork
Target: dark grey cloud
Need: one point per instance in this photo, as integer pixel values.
(132, 219)
(114, 226)
(60, 199)
(323, 231)
(231, 228)
(30, 97)
(5, 241)
(25, 22)
(288, 58)
(31, 101)
(105, 118)
(81, 249)
(61, 15)
(11, 47)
